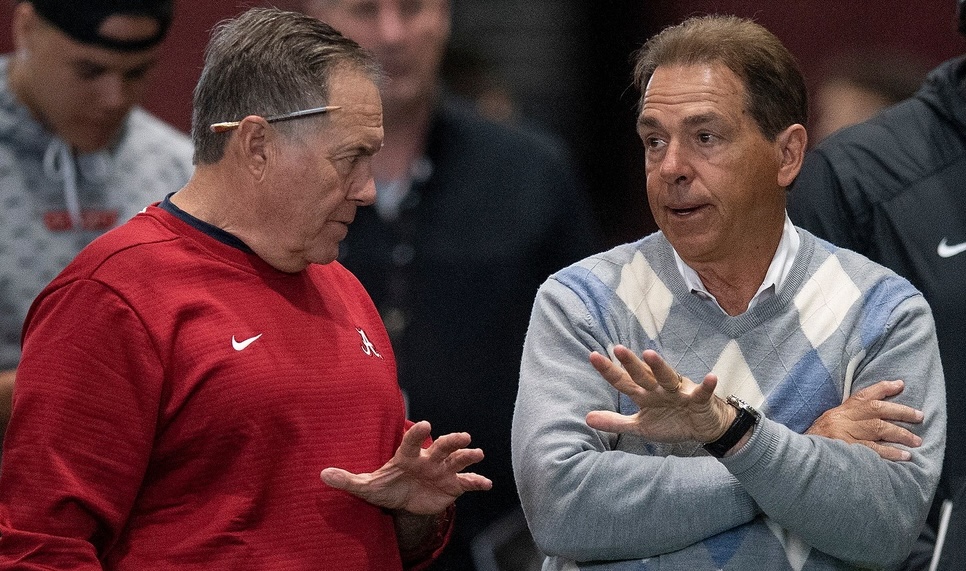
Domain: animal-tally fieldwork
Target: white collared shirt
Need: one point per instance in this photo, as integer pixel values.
(778, 270)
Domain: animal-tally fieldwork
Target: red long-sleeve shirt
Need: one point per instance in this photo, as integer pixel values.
(176, 401)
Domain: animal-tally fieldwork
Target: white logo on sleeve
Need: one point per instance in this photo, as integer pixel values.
(948, 251)
(367, 347)
(242, 345)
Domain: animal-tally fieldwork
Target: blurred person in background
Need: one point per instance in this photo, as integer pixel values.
(469, 74)
(891, 188)
(77, 154)
(470, 217)
(856, 85)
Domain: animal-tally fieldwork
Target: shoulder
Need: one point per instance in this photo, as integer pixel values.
(899, 148)
(843, 269)
(636, 261)
(120, 252)
(147, 136)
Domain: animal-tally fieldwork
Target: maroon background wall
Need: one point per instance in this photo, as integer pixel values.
(592, 40)
(816, 29)
(812, 29)
(180, 63)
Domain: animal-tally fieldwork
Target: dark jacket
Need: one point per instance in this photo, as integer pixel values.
(894, 188)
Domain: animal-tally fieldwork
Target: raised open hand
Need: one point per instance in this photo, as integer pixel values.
(673, 408)
(417, 480)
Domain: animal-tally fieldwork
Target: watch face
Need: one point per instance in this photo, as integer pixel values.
(742, 405)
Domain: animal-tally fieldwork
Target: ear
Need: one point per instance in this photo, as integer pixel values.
(791, 144)
(254, 140)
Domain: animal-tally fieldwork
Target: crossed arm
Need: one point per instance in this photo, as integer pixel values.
(674, 408)
(593, 489)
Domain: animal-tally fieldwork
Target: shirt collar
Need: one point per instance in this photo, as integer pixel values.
(778, 270)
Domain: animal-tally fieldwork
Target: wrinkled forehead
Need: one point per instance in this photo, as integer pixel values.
(711, 84)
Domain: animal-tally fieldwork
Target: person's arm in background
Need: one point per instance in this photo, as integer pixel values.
(821, 204)
(6, 399)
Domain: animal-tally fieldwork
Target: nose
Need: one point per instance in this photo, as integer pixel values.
(112, 92)
(363, 191)
(674, 166)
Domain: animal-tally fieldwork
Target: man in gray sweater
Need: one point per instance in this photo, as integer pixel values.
(622, 460)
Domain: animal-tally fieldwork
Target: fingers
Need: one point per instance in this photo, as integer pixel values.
(888, 452)
(618, 377)
(637, 374)
(878, 430)
(459, 460)
(639, 377)
(895, 412)
(893, 433)
(447, 444)
(880, 390)
(665, 375)
(471, 482)
(868, 403)
(412, 441)
(451, 450)
(639, 371)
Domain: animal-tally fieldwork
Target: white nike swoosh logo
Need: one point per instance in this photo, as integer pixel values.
(240, 345)
(946, 251)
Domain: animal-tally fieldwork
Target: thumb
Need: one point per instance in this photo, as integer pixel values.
(337, 478)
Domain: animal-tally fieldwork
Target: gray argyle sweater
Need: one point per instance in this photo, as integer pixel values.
(785, 500)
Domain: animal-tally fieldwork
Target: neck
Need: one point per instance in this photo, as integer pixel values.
(212, 195)
(735, 282)
(199, 197)
(733, 292)
(405, 131)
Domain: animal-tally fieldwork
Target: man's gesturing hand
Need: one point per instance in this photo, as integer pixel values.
(673, 408)
(417, 480)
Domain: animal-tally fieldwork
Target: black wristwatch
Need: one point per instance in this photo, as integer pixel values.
(747, 417)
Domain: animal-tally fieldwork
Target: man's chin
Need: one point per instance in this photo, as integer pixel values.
(403, 99)
(90, 141)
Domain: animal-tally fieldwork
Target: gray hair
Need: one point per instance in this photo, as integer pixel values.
(267, 62)
(774, 85)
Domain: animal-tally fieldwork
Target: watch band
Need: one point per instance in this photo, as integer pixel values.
(746, 418)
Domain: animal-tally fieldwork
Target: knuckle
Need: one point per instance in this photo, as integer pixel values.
(880, 426)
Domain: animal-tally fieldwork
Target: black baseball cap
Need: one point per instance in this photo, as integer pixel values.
(82, 19)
